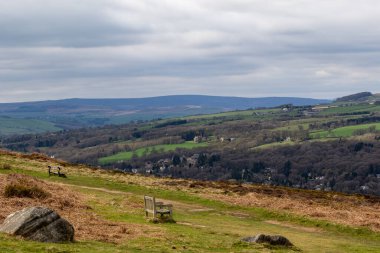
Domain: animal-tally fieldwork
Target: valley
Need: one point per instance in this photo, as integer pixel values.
(332, 147)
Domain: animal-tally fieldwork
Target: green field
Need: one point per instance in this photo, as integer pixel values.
(350, 109)
(342, 131)
(245, 113)
(203, 224)
(293, 126)
(10, 126)
(123, 156)
(275, 145)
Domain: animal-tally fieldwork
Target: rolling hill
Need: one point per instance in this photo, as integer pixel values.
(277, 146)
(76, 113)
(361, 97)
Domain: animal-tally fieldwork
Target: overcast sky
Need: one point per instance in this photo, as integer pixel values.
(52, 49)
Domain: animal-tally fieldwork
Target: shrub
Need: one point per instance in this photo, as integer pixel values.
(21, 191)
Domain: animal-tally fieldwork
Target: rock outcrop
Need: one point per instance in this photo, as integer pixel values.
(38, 224)
(270, 239)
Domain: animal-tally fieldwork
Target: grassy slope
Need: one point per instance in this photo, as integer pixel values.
(122, 156)
(343, 131)
(274, 145)
(9, 126)
(204, 225)
(235, 113)
(294, 125)
(351, 109)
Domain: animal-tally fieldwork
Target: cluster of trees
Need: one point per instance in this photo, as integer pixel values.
(345, 166)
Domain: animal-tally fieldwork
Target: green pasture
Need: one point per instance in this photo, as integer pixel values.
(347, 131)
(11, 126)
(275, 145)
(244, 113)
(123, 156)
(350, 109)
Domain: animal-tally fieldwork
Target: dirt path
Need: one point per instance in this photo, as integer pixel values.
(176, 204)
(288, 225)
(98, 189)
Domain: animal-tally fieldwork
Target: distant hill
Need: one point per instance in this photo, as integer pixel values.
(74, 113)
(357, 97)
(111, 106)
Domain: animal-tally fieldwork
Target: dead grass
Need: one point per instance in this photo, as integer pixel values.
(71, 206)
(342, 209)
(23, 187)
(5, 166)
(347, 209)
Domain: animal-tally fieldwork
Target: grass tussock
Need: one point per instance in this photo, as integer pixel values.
(24, 187)
(5, 166)
(21, 191)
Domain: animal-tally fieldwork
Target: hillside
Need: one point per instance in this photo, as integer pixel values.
(106, 209)
(75, 113)
(361, 97)
(329, 148)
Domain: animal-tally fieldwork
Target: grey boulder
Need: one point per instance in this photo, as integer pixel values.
(38, 224)
(270, 239)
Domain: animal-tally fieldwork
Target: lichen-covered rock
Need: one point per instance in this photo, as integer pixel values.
(270, 239)
(38, 224)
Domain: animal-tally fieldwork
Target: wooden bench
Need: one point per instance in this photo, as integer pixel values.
(55, 170)
(153, 207)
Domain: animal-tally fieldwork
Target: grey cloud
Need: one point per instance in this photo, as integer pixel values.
(61, 24)
(124, 48)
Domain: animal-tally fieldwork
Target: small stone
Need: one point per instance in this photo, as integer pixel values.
(270, 239)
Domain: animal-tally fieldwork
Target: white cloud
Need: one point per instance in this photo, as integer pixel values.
(322, 73)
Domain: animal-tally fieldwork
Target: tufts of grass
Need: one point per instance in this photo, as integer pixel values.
(21, 191)
(24, 187)
(5, 166)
